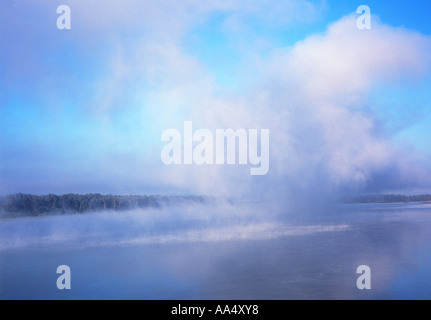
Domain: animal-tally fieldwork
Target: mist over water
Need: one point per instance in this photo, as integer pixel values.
(226, 251)
(176, 224)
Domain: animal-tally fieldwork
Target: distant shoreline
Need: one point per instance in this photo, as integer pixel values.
(405, 202)
(387, 199)
(28, 205)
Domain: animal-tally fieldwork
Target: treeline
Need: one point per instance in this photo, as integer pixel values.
(388, 198)
(33, 205)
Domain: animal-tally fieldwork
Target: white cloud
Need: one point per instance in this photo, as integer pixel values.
(312, 97)
(320, 88)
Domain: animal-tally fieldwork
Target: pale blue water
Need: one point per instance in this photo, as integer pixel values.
(220, 253)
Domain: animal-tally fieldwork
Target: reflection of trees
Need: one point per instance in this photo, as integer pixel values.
(33, 205)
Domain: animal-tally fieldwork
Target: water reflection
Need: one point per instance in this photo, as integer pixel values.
(174, 256)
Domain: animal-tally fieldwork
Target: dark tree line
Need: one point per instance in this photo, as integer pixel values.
(33, 205)
(388, 198)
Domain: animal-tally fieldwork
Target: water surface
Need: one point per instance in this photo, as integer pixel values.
(220, 253)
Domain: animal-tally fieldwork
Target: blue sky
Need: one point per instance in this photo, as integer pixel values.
(82, 110)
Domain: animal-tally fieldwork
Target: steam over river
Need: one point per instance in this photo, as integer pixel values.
(224, 252)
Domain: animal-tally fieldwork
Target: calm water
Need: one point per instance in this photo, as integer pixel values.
(220, 253)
